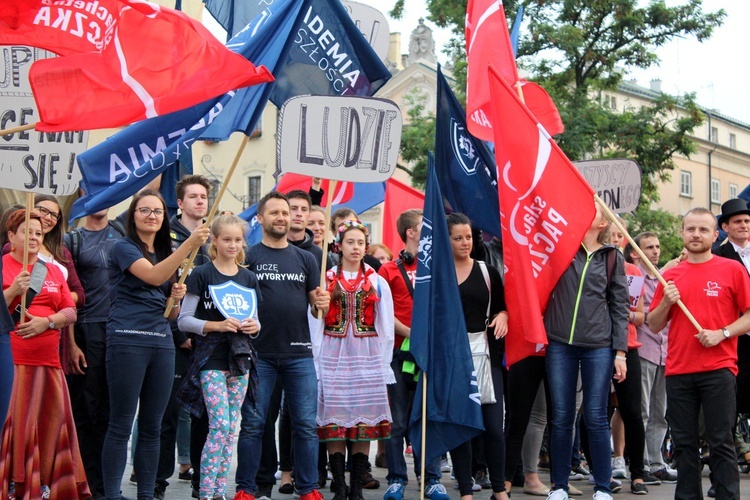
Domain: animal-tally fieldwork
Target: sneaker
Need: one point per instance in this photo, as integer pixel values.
(615, 486)
(408, 450)
(618, 468)
(558, 495)
(313, 495)
(186, 475)
(481, 479)
(160, 493)
(133, 479)
(435, 491)
(666, 475)
(711, 493)
(278, 474)
(638, 489)
(580, 469)
(600, 495)
(395, 491)
(575, 476)
(243, 495)
(475, 486)
(264, 492)
(650, 479)
(45, 492)
(445, 466)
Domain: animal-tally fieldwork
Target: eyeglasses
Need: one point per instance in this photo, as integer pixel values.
(145, 212)
(48, 213)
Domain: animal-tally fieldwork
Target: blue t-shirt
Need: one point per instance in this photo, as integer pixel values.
(136, 316)
(197, 284)
(285, 276)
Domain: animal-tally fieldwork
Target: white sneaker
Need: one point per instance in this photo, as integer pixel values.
(619, 470)
(475, 486)
(600, 495)
(557, 495)
(445, 466)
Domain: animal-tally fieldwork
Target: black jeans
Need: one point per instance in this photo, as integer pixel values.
(89, 399)
(492, 415)
(524, 378)
(168, 434)
(629, 403)
(715, 390)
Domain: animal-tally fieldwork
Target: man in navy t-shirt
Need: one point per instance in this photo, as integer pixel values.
(289, 281)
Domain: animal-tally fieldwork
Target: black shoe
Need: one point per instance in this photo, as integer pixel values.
(286, 489)
(159, 493)
(186, 475)
(650, 479)
(638, 489)
(482, 480)
(711, 492)
(380, 461)
(666, 476)
(615, 486)
(133, 479)
(264, 491)
(196, 492)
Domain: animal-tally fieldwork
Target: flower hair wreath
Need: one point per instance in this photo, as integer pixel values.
(346, 226)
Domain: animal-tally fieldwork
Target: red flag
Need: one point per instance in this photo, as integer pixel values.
(65, 28)
(546, 207)
(398, 198)
(542, 107)
(487, 42)
(159, 60)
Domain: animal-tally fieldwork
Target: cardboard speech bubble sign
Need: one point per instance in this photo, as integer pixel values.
(30, 161)
(373, 25)
(355, 139)
(616, 181)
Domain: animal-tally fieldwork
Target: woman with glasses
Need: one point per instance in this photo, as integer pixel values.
(140, 351)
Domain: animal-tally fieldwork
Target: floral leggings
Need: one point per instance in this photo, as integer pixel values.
(223, 396)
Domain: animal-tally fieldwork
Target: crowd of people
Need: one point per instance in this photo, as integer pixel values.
(98, 333)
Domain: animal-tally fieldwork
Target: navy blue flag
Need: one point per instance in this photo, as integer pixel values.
(465, 168)
(328, 55)
(117, 168)
(439, 341)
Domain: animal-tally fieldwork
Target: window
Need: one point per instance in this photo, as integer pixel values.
(715, 191)
(215, 187)
(714, 135)
(732, 191)
(732, 141)
(686, 184)
(253, 190)
(610, 102)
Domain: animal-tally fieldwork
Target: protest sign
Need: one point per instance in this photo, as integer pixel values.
(354, 139)
(616, 181)
(373, 25)
(32, 161)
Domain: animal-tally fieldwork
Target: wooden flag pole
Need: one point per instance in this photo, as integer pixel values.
(424, 435)
(647, 263)
(329, 202)
(209, 218)
(27, 218)
(20, 128)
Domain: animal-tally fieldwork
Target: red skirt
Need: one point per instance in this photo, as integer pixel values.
(39, 440)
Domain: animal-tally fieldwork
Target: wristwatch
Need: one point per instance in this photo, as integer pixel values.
(725, 332)
(51, 323)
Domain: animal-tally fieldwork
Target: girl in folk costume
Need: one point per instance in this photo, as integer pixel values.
(217, 380)
(353, 351)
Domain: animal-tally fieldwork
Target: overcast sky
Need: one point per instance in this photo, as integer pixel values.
(716, 70)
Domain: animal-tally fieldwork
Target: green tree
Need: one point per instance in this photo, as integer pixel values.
(417, 137)
(579, 49)
(664, 224)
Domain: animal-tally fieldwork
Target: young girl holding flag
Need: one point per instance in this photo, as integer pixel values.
(217, 380)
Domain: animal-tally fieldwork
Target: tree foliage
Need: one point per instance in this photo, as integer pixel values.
(665, 225)
(580, 49)
(417, 137)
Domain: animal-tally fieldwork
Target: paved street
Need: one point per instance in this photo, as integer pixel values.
(180, 490)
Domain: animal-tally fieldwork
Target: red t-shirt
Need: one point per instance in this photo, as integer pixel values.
(44, 349)
(635, 289)
(402, 299)
(716, 292)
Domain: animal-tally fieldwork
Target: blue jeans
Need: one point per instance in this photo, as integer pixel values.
(135, 373)
(301, 392)
(400, 399)
(6, 374)
(563, 362)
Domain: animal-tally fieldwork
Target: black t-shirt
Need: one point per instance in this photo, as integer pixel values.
(474, 296)
(91, 265)
(286, 276)
(197, 284)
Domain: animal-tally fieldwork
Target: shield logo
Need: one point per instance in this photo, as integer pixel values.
(234, 301)
(463, 149)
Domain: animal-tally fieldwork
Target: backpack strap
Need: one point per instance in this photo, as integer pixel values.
(407, 281)
(75, 244)
(487, 281)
